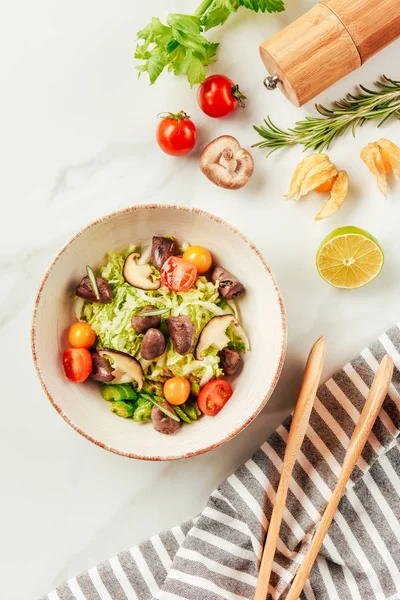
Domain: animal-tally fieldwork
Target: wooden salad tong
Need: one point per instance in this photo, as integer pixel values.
(373, 404)
(301, 416)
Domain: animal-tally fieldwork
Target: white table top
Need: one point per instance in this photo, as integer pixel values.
(78, 142)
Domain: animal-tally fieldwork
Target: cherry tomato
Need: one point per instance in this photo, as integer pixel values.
(200, 257)
(177, 390)
(218, 96)
(176, 133)
(81, 335)
(178, 274)
(77, 364)
(213, 396)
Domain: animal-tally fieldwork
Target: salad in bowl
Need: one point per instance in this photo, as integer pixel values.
(158, 328)
(209, 305)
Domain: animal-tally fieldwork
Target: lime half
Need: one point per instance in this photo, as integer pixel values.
(349, 258)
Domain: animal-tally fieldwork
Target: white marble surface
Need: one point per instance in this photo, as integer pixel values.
(77, 138)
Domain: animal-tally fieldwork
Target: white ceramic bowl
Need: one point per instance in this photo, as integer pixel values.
(262, 316)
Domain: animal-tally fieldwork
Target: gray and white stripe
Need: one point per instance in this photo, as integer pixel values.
(216, 556)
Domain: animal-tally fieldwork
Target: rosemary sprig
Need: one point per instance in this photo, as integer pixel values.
(152, 313)
(350, 112)
(93, 281)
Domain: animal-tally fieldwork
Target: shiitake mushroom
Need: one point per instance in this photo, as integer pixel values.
(138, 276)
(226, 164)
(213, 334)
(124, 364)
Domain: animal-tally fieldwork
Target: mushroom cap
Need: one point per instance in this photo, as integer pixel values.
(221, 175)
(213, 334)
(124, 365)
(138, 275)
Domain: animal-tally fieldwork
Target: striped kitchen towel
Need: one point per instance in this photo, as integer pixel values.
(216, 556)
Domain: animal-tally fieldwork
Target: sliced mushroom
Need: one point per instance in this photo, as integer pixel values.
(213, 334)
(228, 286)
(85, 290)
(141, 323)
(231, 361)
(124, 365)
(138, 275)
(162, 248)
(182, 332)
(153, 344)
(101, 368)
(162, 423)
(226, 164)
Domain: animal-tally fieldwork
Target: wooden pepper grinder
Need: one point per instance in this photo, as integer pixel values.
(332, 39)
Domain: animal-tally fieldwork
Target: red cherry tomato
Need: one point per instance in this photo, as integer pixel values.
(176, 133)
(77, 364)
(178, 274)
(213, 396)
(218, 96)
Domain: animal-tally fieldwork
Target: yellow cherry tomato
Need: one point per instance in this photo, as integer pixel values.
(326, 186)
(177, 390)
(200, 257)
(81, 335)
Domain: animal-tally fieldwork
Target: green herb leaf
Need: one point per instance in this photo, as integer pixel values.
(93, 281)
(183, 64)
(153, 313)
(218, 15)
(180, 45)
(184, 23)
(186, 30)
(155, 31)
(155, 66)
(349, 113)
(195, 71)
(264, 5)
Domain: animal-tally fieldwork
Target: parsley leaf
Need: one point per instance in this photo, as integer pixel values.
(264, 5)
(180, 45)
(155, 66)
(195, 71)
(219, 12)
